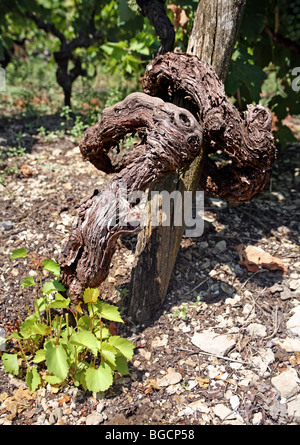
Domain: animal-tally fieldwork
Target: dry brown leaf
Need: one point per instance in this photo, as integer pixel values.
(203, 383)
(254, 258)
(113, 328)
(18, 402)
(3, 396)
(295, 360)
(64, 399)
(152, 384)
(27, 171)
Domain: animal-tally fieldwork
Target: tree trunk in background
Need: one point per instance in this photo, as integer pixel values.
(212, 40)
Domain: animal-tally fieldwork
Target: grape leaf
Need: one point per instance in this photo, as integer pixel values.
(99, 379)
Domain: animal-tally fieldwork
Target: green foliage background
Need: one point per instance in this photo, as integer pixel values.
(266, 51)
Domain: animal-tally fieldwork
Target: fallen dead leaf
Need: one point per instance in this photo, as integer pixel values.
(18, 402)
(295, 360)
(254, 258)
(3, 396)
(64, 399)
(203, 383)
(113, 328)
(152, 385)
(27, 171)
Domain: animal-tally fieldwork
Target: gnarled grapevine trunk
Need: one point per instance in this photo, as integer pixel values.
(170, 138)
(212, 40)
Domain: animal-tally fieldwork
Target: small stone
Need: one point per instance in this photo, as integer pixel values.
(256, 330)
(247, 309)
(234, 402)
(218, 202)
(146, 354)
(52, 419)
(222, 411)
(120, 271)
(205, 265)
(199, 406)
(172, 378)
(68, 185)
(94, 419)
(100, 408)
(293, 324)
(58, 413)
(295, 285)
(286, 294)
(188, 256)
(227, 289)
(257, 419)
(278, 196)
(286, 383)
(218, 344)
(233, 301)
(159, 342)
(289, 344)
(276, 288)
(263, 359)
(6, 225)
(5, 422)
(221, 246)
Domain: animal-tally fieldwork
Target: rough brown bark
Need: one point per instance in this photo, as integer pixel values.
(245, 139)
(212, 40)
(170, 138)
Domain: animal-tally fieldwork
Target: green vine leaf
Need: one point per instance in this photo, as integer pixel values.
(53, 285)
(86, 339)
(109, 312)
(10, 363)
(56, 360)
(99, 379)
(51, 266)
(124, 346)
(40, 356)
(108, 352)
(33, 379)
(60, 302)
(91, 295)
(18, 253)
(122, 365)
(28, 281)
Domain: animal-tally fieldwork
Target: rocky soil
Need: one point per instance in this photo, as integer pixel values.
(225, 348)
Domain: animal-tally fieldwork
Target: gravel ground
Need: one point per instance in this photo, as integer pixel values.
(224, 349)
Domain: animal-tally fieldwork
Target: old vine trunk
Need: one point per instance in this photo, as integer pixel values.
(212, 40)
(170, 138)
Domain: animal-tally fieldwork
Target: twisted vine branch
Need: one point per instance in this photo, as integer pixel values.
(169, 137)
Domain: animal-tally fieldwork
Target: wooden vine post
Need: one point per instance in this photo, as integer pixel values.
(182, 116)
